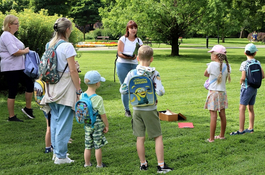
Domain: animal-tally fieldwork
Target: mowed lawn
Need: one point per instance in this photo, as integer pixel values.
(22, 144)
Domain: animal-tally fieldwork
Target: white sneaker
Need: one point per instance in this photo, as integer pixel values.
(88, 165)
(54, 156)
(62, 161)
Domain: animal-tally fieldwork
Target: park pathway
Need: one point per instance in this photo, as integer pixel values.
(115, 48)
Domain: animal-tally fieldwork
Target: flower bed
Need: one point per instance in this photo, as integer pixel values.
(96, 44)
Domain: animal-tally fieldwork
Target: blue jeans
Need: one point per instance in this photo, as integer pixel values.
(122, 70)
(61, 128)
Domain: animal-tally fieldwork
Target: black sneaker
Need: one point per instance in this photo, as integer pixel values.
(163, 170)
(128, 113)
(28, 112)
(144, 167)
(14, 119)
(48, 150)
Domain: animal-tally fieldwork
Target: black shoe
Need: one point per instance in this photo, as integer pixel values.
(14, 119)
(128, 113)
(144, 167)
(48, 150)
(28, 112)
(164, 170)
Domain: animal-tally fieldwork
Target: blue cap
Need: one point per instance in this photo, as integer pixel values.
(93, 77)
(251, 48)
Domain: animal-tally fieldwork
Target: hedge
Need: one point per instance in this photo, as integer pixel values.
(36, 29)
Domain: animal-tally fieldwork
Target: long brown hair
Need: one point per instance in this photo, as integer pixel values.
(130, 24)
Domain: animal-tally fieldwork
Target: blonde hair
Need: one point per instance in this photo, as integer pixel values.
(9, 19)
(60, 27)
(145, 53)
(221, 58)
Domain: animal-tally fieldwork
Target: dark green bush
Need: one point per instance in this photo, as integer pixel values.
(36, 29)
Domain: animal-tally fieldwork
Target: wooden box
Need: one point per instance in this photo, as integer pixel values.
(170, 117)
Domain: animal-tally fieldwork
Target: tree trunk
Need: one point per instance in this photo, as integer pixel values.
(84, 32)
(175, 46)
(223, 38)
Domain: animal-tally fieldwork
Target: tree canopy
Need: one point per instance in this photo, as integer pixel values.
(85, 12)
(17, 5)
(61, 7)
(164, 20)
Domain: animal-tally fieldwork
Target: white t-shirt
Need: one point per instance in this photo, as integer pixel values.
(64, 50)
(214, 71)
(129, 47)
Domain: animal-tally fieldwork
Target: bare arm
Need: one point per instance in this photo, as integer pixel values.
(262, 73)
(243, 77)
(206, 74)
(73, 72)
(21, 52)
(120, 50)
(106, 123)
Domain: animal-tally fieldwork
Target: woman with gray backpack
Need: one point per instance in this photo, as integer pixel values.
(62, 94)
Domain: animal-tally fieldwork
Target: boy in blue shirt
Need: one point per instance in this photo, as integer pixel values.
(247, 94)
(146, 117)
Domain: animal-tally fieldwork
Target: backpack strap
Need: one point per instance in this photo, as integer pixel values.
(115, 65)
(216, 78)
(91, 113)
(134, 72)
(93, 95)
(55, 47)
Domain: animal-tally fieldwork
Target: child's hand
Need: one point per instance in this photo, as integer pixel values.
(106, 129)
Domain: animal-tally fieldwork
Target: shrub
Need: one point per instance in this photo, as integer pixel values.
(36, 29)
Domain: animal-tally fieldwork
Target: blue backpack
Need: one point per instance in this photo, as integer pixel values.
(84, 112)
(253, 74)
(32, 62)
(141, 90)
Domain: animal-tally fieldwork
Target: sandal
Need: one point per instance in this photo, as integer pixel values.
(208, 140)
(237, 133)
(249, 130)
(219, 137)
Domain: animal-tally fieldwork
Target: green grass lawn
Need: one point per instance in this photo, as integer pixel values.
(22, 144)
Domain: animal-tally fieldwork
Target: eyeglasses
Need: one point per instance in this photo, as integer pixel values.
(16, 24)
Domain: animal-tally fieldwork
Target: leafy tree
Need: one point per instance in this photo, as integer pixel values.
(161, 20)
(61, 7)
(85, 14)
(17, 5)
(225, 17)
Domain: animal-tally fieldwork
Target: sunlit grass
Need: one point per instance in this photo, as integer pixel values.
(22, 144)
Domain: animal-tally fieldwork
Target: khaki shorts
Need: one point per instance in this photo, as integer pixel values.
(146, 120)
